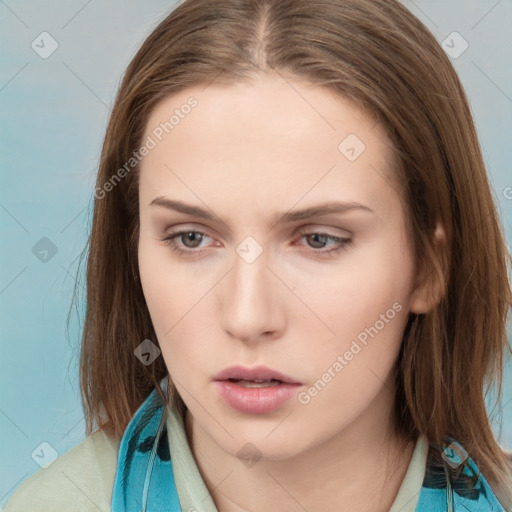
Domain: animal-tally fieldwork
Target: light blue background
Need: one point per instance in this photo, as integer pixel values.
(54, 113)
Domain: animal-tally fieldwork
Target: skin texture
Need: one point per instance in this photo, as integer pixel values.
(249, 152)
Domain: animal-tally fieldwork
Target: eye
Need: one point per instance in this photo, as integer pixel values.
(191, 239)
(320, 239)
(190, 236)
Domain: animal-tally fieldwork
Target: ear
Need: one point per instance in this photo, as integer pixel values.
(429, 289)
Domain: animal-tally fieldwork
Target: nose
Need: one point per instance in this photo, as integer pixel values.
(251, 307)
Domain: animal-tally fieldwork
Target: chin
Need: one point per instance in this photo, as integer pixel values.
(253, 448)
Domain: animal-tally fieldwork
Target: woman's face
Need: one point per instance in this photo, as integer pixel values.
(263, 274)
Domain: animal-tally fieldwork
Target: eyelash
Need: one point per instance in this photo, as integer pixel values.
(344, 242)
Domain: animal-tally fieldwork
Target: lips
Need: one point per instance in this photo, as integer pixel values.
(258, 373)
(258, 390)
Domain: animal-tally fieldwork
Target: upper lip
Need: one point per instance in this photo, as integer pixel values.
(255, 373)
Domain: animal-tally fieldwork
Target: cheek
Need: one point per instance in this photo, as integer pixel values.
(362, 288)
(170, 291)
(356, 364)
(173, 297)
(366, 304)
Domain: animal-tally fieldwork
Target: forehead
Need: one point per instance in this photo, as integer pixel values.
(274, 139)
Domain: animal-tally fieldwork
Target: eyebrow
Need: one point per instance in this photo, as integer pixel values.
(283, 218)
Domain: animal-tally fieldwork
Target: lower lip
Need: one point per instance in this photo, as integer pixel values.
(256, 400)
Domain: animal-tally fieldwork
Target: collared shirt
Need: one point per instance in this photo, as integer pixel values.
(153, 464)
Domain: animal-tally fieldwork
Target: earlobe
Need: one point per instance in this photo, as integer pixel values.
(430, 284)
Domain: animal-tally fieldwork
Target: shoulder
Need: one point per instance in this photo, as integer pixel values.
(80, 480)
(453, 476)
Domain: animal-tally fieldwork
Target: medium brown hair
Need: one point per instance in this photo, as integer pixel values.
(378, 54)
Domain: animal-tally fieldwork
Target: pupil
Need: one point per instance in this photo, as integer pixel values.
(190, 238)
(317, 237)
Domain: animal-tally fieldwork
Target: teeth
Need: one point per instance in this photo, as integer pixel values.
(256, 383)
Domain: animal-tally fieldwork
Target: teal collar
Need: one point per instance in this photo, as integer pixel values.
(144, 480)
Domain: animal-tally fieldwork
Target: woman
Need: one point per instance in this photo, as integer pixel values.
(297, 278)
